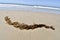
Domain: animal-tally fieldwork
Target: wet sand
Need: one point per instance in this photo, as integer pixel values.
(8, 32)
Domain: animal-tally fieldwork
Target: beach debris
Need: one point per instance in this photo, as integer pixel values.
(26, 26)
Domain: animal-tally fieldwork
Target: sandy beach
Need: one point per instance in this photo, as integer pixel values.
(8, 32)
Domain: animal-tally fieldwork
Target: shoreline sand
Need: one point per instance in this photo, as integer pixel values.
(8, 32)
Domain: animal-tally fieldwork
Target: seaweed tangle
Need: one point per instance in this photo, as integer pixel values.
(26, 26)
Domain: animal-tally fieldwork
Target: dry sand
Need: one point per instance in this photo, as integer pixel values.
(8, 32)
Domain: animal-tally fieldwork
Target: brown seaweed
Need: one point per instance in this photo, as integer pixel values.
(26, 26)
